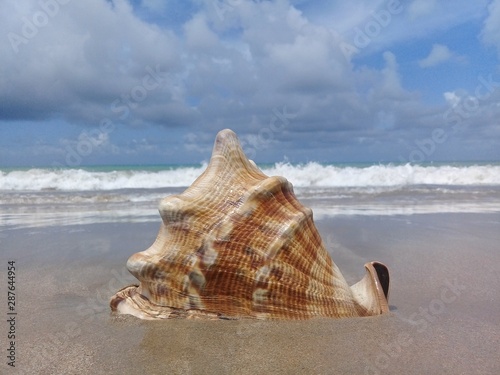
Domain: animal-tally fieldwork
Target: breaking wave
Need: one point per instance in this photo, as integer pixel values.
(303, 176)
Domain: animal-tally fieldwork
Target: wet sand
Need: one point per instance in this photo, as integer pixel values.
(445, 306)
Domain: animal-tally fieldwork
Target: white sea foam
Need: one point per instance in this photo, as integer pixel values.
(314, 174)
(302, 176)
(84, 180)
(78, 196)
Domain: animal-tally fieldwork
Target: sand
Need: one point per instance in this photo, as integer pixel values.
(445, 305)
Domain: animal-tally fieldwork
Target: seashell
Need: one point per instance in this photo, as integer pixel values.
(238, 244)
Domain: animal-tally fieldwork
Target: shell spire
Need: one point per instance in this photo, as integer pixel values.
(238, 244)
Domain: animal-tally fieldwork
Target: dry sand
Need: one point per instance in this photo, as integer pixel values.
(445, 306)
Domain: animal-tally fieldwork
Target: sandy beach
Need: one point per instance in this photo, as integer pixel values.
(205, 120)
(445, 309)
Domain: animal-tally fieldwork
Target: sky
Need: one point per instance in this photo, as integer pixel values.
(136, 82)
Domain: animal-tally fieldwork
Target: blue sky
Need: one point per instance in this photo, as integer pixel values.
(151, 82)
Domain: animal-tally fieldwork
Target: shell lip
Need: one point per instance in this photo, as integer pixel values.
(119, 296)
(129, 301)
(380, 276)
(383, 277)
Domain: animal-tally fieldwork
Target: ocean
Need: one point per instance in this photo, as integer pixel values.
(46, 197)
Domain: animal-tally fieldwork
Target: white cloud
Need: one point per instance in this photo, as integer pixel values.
(343, 16)
(438, 55)
(85, 56)
(391, 79)
(219, 73)
(491, 26)
(230, 69)
(452, 98)
(419, 8)
(199, 35)
(155, 5)
(418, 18)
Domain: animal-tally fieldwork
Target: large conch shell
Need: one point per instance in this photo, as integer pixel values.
(238, 244)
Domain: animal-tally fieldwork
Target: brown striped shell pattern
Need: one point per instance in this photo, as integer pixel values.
(238, 244)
